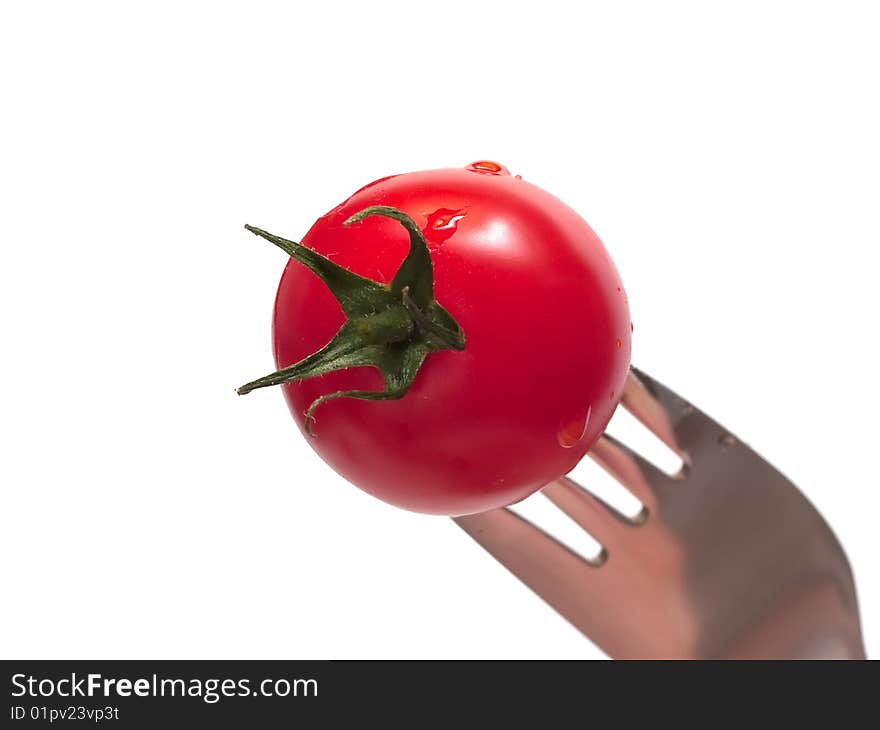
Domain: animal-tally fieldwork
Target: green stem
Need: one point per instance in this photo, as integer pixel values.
(358, 342)
(390, 327)
(442, 337)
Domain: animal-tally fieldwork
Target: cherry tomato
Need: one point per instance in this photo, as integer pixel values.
(547, 350)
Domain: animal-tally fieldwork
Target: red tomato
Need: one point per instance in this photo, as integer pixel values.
(548, 342)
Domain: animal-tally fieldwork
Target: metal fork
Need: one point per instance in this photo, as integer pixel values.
(726, 560)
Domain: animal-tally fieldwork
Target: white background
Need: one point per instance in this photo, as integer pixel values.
(728, 158)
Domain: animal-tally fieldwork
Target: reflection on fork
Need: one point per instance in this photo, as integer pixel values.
(726, 560)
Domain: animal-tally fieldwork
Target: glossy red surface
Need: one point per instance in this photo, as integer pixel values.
(548, 342)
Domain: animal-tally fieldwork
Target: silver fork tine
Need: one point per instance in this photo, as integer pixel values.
(593, 597)
(674, 406)
(673, 419)
(599, 519)
(649, 484)
(569, 583)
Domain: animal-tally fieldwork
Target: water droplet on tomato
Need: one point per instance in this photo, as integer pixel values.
(631, 328)
(442, 223)
(618, 343)
(487, 167)
(574, 431)
(518, 177)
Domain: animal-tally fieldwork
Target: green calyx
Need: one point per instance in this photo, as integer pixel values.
(392, 327)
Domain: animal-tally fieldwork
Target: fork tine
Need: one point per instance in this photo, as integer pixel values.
(573, 586)
(649, 484)
(673, 419)
(657, 407)
(598, 518)
(594, 599)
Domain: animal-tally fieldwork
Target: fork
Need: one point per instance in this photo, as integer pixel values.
(726, 560)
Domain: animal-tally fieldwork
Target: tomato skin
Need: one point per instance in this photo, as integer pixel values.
(548, 343)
